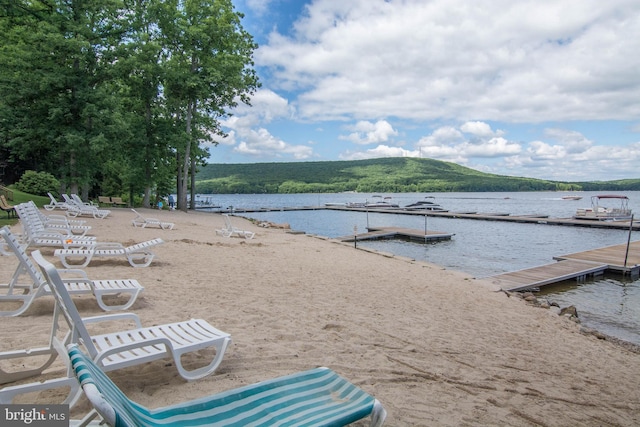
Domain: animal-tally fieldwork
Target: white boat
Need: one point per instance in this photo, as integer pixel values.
(425, 205)
(381, 203)
(570, 197)
(599, 210)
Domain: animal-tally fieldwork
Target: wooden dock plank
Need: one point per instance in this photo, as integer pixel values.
(614, 256)
(546, 274)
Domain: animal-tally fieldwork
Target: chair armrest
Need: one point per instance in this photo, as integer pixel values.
(75, 274)
(110, 317)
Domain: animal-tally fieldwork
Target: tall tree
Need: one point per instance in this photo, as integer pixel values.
(53, 55)
(209, 69)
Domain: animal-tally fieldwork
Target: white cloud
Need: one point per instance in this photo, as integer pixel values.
(572, 141)
(365, 132)
(525, 61)
(377, 152)
(258, 6)
(261, 143)
(248, 136)
(450, 144)
(480, 129)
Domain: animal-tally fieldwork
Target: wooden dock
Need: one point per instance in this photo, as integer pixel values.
(487, 216)
(547, 274)
(613, 256)
(397, 233)
(577, 265)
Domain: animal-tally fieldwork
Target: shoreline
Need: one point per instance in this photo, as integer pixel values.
(630, 346)
(435, 346)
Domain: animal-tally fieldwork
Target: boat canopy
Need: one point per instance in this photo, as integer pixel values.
(610, 196)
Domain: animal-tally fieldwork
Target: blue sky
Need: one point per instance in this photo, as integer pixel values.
(535, 88)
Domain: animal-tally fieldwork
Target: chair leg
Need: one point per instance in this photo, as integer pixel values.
(133, 294)
(7, 394)
(8, 377)
(140, 259)
(64, 259)
(202, 372)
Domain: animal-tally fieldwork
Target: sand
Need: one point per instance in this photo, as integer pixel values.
(436, 347)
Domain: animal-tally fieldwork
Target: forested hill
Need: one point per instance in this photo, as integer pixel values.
(397, 174)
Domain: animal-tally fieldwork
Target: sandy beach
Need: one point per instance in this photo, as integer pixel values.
(436, 347)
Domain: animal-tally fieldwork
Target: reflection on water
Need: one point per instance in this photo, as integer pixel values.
(602, 303)
(481, 248)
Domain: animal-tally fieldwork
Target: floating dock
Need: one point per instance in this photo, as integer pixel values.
(483, 216)
(397, 233)
(574, 266)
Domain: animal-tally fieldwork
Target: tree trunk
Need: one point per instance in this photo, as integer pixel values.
(193, 183)
(186, 162)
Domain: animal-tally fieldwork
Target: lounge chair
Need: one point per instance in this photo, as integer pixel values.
(229, 230)
(76, 207)
(36, 233)
(61, 222)
(6, 207)
(116, 350)
(317, 397)
(143, 222)
(75, 280)
(138, 255)
(55, 204)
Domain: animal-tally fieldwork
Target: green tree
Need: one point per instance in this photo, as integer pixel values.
(209, 69)
(56, 109)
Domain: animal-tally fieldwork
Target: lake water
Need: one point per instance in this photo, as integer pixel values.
(610, 304)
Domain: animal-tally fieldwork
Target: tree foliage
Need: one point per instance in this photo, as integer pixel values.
(115, 96)
(394, 175)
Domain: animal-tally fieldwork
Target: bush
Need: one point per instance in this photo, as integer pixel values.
(38, 183)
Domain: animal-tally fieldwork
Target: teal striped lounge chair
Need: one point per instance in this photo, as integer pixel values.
(317, 397)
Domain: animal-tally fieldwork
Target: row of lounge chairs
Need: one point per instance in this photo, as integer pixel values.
(77, 251)
(76, 280)
(75, 206)
(315, 397)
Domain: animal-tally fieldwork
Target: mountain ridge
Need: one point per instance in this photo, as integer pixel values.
(388, 174)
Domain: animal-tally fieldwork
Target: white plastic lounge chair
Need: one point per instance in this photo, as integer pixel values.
(36, 233)
(60, 222)
(55, 204)
(25, 291)
(229, 230)
(141, 221)
(76, 207)
(138, 255)
(117, 350)
(318, 397)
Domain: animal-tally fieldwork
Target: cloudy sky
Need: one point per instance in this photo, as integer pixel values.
(535, 88)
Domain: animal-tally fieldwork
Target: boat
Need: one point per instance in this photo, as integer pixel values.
(425, 205)
(570, 197)
(599, 211)
(356, 204)
(381, 203)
